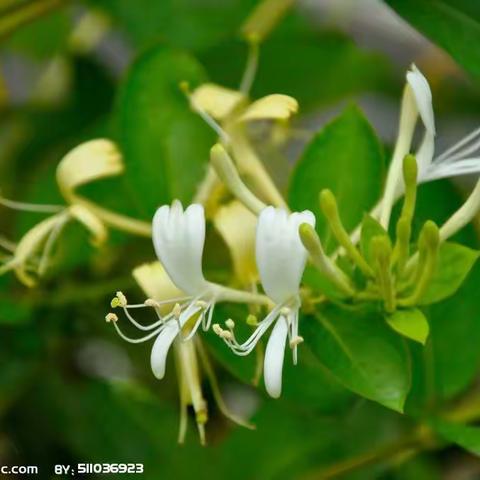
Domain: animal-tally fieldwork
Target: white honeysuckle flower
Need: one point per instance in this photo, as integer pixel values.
(461, 159)
(281, 259)
(178, 239)
(416, 101)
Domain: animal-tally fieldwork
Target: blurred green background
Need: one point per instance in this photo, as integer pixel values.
(70, 390)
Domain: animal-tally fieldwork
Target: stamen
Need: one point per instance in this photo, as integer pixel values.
(252, 320)
(209, 120)
(450, 151)
(50, 242)
(145, 328)
(30, 207)
(296, 341)
(7, 244)
(111, 317)
(137, 340)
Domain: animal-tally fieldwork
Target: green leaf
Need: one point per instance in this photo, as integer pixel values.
(370, 228)
(452, 26)
(346, 157)
(361, 352)
(411, 324)
(183, 23)
(464, 436)
(166, 145)
(454, 264)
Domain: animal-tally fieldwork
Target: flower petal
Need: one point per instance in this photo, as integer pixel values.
(217, 101)
(423, 97)
(425, 154)
(274, 354)
(158, 357)
(271, 107)
(280, 254)
(237, 226)
(178, 239)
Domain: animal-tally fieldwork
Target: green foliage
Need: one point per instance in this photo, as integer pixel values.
(347, 144)
(464, 436)
(185, 23)
(362, 353)
(455, 26)
(411, 324)
(311, 66)
(454, 264)
(166, 145)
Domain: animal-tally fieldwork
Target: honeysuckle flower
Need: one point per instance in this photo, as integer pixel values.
(90, 161)
(281, 259)
(229, 112)
(461, 159)
(191, 358)
(416, 101)
(178, 239)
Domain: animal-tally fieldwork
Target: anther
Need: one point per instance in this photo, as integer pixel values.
(177, 310)
(122, 299)
(150, 302)
(252, 320)
(296, 341)
(111, 317)
(230, 324)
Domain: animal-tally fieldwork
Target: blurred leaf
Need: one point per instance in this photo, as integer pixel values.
(450, 360)
(410, 323)
(362, 353)
(346, 157)
(370, 228)
(166, 145)
(454, 264)
(316, 68)
(43, 37)
(188, 24)
(452, 25)
(464, 436)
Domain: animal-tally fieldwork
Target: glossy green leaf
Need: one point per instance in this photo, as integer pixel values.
(363, 353)
(452, 25)
(464, 436)
(454, 264)
(346, 157)
(166, 145)
(370, 228)
(411, 324)
(450, 360)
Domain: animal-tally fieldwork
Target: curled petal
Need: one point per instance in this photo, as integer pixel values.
(423, 97)
(91, 222)
(158, 357)
(271, 107)
(274, 354)
(217, 101)
(89, 161)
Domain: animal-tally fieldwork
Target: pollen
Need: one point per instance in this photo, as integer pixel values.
(122, 299)
(150, 302)
(296, 341)
(111, 317)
